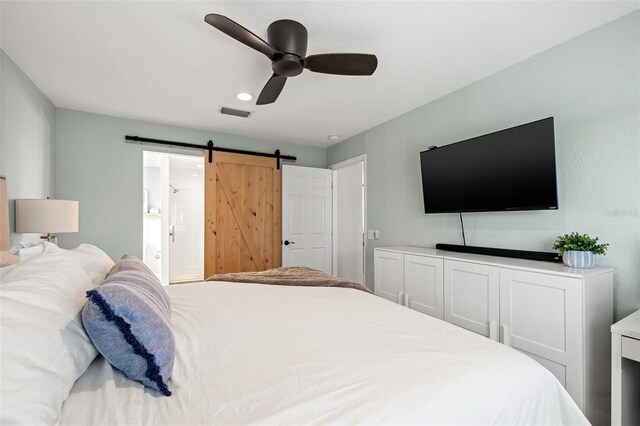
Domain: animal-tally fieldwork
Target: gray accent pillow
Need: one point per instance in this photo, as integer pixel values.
(130, 263)
(128, 318)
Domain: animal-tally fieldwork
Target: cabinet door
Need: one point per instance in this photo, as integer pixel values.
(389, 275)
(472, 297)
(541, 314)
(423, 284)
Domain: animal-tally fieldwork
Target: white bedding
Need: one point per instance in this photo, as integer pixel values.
(301, 355)
(43, 345)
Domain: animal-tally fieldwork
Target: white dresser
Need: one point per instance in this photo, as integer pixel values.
(557, 315)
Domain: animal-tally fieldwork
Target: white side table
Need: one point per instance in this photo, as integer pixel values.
(625, 343)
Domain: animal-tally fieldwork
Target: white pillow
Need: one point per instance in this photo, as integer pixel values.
(95, 262)
(44, 347)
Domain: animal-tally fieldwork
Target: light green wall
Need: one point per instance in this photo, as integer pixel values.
(95, 166)
(591, 85)
(27, 135)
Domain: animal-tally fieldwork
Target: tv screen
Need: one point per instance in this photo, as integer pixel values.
(512, 169)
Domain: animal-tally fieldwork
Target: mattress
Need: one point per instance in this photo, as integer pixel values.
(264, 354)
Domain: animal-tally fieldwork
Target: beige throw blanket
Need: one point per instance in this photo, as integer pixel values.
(292, 275)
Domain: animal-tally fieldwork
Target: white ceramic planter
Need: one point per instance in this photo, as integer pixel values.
(579, 259)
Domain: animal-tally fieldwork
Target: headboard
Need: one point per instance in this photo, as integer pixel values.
(4, 215)
(5, 257)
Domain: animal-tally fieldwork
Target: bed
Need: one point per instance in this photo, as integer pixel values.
(270, 354)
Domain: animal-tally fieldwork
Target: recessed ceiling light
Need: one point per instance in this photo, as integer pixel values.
(334, 137)
(194, 175)
(199, 166)
(244, 96)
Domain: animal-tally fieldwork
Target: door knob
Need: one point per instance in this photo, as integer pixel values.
(287, 242)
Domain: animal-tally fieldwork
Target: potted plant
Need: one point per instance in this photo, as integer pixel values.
(579, 250)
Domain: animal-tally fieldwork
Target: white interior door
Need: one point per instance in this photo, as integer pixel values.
(306, 218)
(348, 184)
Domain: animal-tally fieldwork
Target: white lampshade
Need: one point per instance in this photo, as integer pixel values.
(46, 216)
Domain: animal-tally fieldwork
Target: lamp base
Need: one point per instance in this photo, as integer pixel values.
(50, 238)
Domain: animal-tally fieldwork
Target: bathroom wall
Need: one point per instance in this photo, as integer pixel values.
(186, 212)
(152, 230)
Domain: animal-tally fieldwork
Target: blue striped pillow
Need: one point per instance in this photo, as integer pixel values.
(128, 320)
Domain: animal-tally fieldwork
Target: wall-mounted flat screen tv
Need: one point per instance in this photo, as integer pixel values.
(512, 169)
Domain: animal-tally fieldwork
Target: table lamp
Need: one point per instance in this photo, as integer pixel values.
(46, 217)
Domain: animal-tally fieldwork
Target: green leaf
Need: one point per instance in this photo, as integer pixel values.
(579, 242)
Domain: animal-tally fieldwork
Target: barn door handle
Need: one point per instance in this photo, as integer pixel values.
(287, 242)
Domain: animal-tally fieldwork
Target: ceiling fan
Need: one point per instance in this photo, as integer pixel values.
(286, 49)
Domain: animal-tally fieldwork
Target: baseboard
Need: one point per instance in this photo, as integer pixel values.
(491, 251)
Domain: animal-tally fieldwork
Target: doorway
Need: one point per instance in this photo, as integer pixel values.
(349, 218)
(173, 216)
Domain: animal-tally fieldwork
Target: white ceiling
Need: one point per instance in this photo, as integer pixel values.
(159, 61)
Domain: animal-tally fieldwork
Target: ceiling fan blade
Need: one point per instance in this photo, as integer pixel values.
(271, 90)
(240, 33)
(342, 63)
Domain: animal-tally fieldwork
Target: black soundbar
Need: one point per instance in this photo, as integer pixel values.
(490, 251)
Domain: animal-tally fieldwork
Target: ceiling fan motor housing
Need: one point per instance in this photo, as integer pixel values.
(290, 39)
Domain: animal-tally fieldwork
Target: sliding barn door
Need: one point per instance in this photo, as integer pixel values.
(242, 213)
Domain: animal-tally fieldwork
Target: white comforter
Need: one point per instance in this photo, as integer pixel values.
(249, 353)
